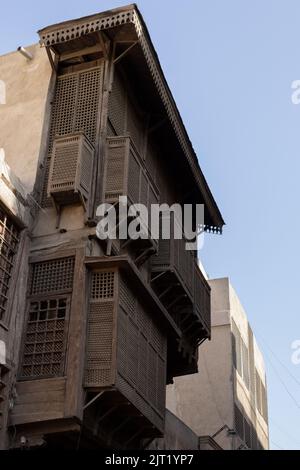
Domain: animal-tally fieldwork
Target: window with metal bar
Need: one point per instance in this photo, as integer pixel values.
(9, 240)
(45, 338)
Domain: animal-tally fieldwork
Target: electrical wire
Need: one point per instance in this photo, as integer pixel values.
(278, 446)
(283, 431)
(283, 383)
(279, 360)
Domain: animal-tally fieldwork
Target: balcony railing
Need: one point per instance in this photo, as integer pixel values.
(182, 288)
(71, 169)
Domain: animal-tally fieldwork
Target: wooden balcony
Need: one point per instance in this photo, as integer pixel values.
(71, 168)
(184, 292)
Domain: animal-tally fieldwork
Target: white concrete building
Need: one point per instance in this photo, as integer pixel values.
(227, 399)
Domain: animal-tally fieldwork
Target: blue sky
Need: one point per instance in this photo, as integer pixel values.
(230, 65)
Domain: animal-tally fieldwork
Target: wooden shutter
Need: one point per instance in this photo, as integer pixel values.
(115, 169)
(141, 356)
(99, 370)
(117, 107)
(75, 108)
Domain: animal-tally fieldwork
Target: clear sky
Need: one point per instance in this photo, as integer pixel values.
(230, 65)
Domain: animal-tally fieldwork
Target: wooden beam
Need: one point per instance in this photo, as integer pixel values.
(81, 52)
(103, 45)
(51, 60)
(117, 59)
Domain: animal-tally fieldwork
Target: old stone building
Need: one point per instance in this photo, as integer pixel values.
(91, 330)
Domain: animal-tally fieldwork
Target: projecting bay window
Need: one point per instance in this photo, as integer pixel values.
(9, 240)
(45, 338)
(71, 161)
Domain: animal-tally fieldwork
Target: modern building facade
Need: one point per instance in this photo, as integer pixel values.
(92, 330)
(227, 399)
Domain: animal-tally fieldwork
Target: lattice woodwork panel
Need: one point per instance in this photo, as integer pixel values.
(127, 299)
(144, 190)
(152, 375)
(88, 99)
(132, 352)
(98, 371)
(52, 276)
(75, 108)
(144, 322)
(152, 162)
(134, 127)
(45, 339)
(157, 339)
(122, 340)
(115, 171)
(133, 179)
(71, 169)
(99, 344)
(9, 240)
(143, 363)
(117, 107)
(86, 167)
(103, 285)
(64, 166)
(64, 107)
(141, 352)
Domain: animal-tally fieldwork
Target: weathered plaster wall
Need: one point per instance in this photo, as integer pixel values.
(22, 110)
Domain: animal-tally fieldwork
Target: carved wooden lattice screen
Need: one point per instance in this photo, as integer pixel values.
(44, 344)
(123, 116)
(98, 370)
(141, 357)
(75, 108)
